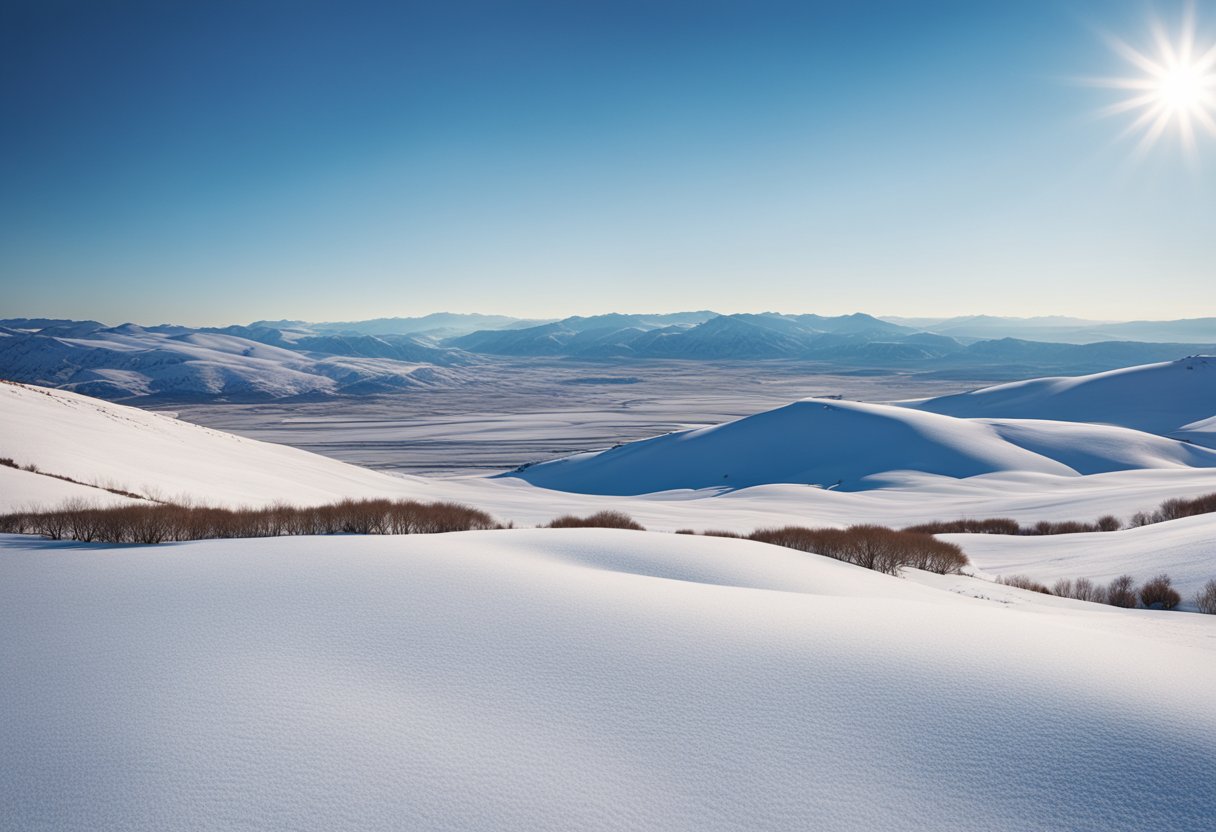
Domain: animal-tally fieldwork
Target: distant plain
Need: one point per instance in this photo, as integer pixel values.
(523, 410)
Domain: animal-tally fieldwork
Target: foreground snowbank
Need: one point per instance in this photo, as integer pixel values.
(579, 679)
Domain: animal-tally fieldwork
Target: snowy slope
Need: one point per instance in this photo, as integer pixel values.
(25, 489)
(154, 455)
(1202, 432)
(580, 679)
(848, 445)
(1159, 398)
(1185, 549)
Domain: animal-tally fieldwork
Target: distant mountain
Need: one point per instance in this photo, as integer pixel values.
(173, 362)
(1059, 329)
(695, 336)
(436, 325)
(291, 358)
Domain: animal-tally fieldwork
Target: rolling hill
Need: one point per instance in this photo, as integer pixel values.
(1168, 398)
(850, 446)
(582, 678)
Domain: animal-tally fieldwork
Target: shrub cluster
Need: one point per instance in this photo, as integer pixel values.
(873, 547)
(599, 520)
(1006, 525)
(167, 522)
(1173, 509)
(1157, 593)
(1176, 509)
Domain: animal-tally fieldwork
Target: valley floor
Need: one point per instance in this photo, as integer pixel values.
(528, 410)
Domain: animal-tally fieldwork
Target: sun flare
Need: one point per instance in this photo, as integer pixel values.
(1174, 86)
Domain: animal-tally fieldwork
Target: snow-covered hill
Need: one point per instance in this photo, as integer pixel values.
(849, 446)
(580, 679)
(1181, 548)
(1162, 398)
(176, 362)
(154, 455)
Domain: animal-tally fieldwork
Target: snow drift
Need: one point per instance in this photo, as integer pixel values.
(580, 679)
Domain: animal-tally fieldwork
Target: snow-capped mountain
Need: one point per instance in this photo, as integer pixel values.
(130, 361)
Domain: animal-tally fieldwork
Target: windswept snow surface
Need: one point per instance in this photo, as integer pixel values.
(850, 446)
(580, 679)
(1158, 398)
(154, 455)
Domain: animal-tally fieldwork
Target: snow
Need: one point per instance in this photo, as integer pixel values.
(850, 445)
(1159, 398)
(131, 361)
(1184, 549)
(154, 455)
(579, 679)
(597, 679)
(25, 489)
(112, 445)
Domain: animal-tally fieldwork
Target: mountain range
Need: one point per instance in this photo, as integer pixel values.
(279, 359)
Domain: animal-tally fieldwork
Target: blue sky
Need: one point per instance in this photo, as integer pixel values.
(207, 163)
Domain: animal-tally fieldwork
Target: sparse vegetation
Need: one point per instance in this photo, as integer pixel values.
(599, 520)
(873, 547)
(1159, 593)
(1023, 582)
(1173, 509)
(994, 525)
(168, 522)
(1205, 599)
(1121, 592)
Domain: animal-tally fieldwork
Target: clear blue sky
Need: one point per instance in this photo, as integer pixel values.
(217, 162)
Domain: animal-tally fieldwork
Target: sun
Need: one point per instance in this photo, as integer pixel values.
(1174, 88)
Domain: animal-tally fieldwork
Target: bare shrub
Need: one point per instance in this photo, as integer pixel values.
(720, 533)
(1109, 523)
(1023, 582)
(1062, 588)
(686, 531)
(873, 547)
(7, 462)
(1060, 527)
(1121, 592)
(599, 520)
(1205, 599)
(993, 525)
(1159, 593)
(1139, 519)
(1083, 589)
(1176, 509)
(164, 522)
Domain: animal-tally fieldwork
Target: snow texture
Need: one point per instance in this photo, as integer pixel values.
(580, 679)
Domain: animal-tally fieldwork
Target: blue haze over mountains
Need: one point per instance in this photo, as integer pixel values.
(284, 359)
